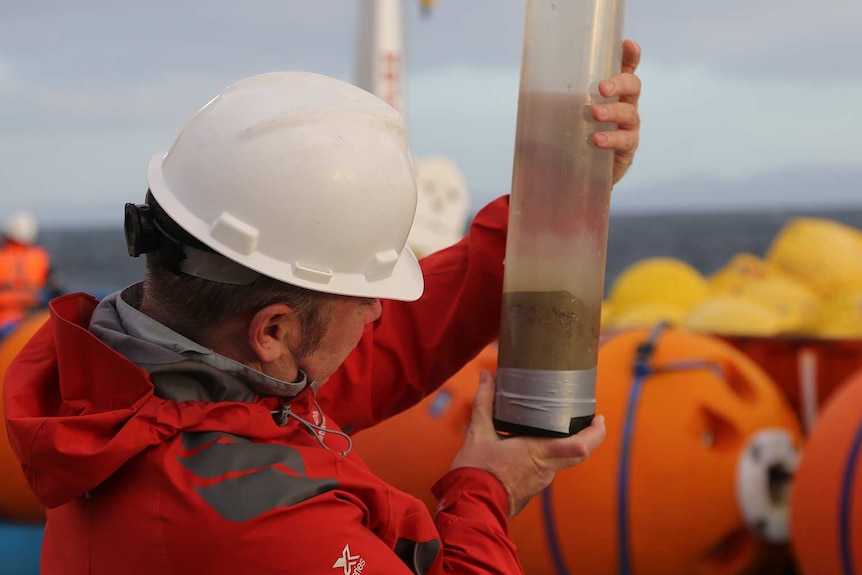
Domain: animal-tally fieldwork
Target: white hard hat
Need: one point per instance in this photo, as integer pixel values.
(302, 178)
(21, 227)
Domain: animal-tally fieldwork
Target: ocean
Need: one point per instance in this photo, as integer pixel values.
(95, 260)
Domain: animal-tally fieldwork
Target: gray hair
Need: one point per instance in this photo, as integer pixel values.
(197, 306)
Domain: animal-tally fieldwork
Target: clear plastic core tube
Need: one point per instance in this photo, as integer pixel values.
(558, 220)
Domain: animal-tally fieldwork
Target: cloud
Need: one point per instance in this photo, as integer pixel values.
(468, 115)
(8, 78)
(763, 39)
(99, 40)
(35, 106)
(813, 187)
(90, 89)
(696, 123)
(698, 126)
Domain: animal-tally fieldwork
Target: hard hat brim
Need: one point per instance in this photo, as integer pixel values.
(405, 283)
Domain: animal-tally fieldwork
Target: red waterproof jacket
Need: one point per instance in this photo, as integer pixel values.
(23, 274)
(150, 463)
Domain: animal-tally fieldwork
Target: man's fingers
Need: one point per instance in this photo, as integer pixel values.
(624, 114)
(626, 86)
(483, 405)
(622, 141)
(631, 56)
(580, 445)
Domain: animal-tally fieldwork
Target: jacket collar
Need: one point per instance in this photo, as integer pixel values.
(120, 313)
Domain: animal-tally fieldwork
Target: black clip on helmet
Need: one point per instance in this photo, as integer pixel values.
(141, 234)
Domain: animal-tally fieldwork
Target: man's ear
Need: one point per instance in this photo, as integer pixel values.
(271, 328)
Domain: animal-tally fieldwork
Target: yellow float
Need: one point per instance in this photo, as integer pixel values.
(658, 280)
(823, 254)
(796, 306)
(841, 317)
(733, 315)
(740, 270)
(648, 314)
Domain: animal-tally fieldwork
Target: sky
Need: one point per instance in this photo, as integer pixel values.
(746, 105)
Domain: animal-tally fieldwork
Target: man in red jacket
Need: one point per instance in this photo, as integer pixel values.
(182, 425)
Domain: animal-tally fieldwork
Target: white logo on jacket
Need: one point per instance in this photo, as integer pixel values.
(351, 564)
(320, 421)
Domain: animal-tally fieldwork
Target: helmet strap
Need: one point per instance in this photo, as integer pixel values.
(214, 267)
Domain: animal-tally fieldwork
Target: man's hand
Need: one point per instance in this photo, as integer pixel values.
(624, 113)
(524, 465)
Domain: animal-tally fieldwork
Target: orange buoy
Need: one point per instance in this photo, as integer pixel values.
(682, 483)
(691, 479)
(17, 501)
(435, 428)
(806, 369)
(826, 509)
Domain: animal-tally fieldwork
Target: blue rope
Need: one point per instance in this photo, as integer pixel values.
(844, 526)
(623, 484)
(551, 533)
(7, 328)
(642, 370)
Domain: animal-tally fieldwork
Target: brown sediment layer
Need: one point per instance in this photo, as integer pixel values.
(549, 330)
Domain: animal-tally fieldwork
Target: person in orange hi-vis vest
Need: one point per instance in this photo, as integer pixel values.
(25, 270)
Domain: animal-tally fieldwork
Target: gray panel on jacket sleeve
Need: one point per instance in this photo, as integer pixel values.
(222, 458)
(242, 498)
(194, 439)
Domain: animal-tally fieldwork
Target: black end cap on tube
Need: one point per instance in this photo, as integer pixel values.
(508, 429)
